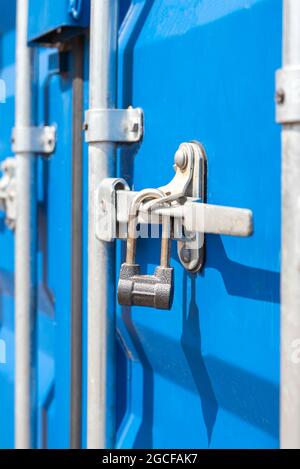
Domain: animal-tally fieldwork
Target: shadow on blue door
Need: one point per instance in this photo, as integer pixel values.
(219, 383)
(191, 344)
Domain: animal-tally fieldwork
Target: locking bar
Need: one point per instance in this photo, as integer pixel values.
(39, 140)
(288, 114)
(114, 125)
(114, 199)
(196, 216)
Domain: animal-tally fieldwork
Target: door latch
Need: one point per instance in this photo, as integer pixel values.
(181, 208)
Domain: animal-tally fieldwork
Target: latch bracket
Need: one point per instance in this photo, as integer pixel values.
(39, 140)
(288, 95)
(114, 125)
(183, 202)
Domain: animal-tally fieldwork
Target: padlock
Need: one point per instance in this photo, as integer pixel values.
(155, 290)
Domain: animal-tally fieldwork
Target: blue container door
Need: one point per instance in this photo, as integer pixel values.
(206, 373)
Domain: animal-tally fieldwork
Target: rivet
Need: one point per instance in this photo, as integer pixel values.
(280, 96)
(180, 159)
(103, 205)
(185, 255)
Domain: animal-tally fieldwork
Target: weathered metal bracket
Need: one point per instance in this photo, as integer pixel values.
(191, 162)
(39, 140)
(114, 125)
(184, 203)
(8, 191)
(288, 95)
(105, 210)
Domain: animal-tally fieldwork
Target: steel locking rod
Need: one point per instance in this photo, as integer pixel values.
(76, 305)
(25, 245)
(288, 114)
(198, 217)
(101, 393)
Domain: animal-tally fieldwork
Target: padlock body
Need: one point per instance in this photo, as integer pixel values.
(155, 291)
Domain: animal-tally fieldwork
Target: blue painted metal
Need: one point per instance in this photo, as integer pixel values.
(206, 373)
(75, 8)
(53, 20)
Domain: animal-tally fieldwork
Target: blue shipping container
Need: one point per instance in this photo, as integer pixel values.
(204, 374)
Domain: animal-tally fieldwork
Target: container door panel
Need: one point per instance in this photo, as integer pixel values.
(205, 373)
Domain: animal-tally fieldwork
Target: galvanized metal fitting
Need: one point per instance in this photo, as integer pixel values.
(39, 140)
(114, 125)
(287, 95)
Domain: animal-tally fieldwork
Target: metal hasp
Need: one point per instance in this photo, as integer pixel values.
(8, 191)
(288, 114)
(146, 290)
(188, 183)
(38, 140)
(101, 393)
(180, 207)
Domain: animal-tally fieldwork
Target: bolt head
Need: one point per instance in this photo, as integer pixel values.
(280, 96)
(180, 158)
(103, 206)
(185, 255)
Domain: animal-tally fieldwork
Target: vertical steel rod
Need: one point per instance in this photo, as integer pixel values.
(76, 308)
(101, 255)
(290, 270)
(25, 247)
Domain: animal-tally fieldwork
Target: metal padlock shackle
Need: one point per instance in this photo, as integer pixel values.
(132, 220)
(155, 290)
